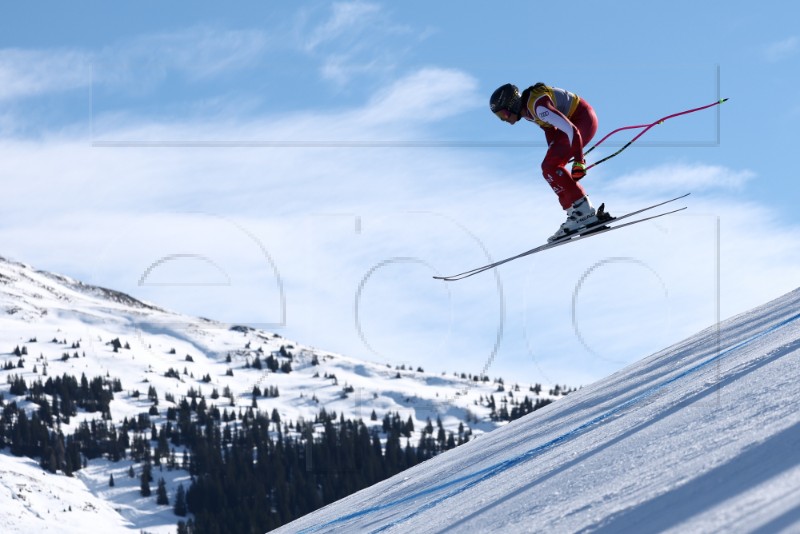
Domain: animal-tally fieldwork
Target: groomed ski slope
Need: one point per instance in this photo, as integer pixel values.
(701, 437)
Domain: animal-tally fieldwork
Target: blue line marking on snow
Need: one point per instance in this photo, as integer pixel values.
(492, 471)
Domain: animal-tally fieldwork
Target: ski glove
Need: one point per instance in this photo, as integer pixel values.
(578, 170)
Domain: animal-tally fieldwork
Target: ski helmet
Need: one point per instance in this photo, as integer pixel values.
(507, 98)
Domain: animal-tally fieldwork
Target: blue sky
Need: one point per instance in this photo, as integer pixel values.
(308, 167)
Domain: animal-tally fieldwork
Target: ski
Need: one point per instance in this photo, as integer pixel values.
(589, 232)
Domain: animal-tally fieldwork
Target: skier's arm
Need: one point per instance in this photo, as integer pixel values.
(545, 111)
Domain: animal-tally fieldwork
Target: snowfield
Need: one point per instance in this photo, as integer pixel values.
(36, 501)
(701, 437)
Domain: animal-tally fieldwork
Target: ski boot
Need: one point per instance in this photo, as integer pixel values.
(581, 216)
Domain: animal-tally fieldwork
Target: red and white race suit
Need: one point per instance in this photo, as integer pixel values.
(569, 123)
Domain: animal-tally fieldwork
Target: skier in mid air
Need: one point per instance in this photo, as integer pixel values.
(569, 123)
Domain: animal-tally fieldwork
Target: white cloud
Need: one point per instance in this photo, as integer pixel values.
(427, 95)
(355, 39)
(340, 69)
(26, 73)
(396, 111)
(682, 177)
(347, 19)
(781, 50)
(198, 53)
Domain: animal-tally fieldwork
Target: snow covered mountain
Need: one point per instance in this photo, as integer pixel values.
(701, 437)
(52, 326)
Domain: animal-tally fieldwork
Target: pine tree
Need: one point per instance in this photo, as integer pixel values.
(145, 479)
(180, 502)
(161, 493)
(111, 481)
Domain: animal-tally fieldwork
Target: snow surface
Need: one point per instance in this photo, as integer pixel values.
(701, 437)
(36, 501)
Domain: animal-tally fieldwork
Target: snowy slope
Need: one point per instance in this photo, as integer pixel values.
(36, 501)
(701, 437)
(64, 326)
(51, 316)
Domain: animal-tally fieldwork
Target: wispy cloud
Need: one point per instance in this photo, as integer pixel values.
(683, 177)
(27, 73)
(394, 111)
(424, 96)
(354, 39)
(167, 73)
(199, 53)
(341, 68)
(781, 50)
(348, 21)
